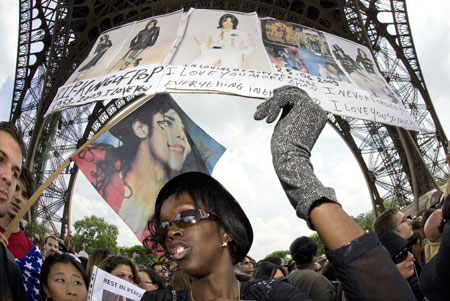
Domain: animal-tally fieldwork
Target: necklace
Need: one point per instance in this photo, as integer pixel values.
(239, 291)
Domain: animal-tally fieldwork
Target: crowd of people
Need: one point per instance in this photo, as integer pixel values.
(203, 236)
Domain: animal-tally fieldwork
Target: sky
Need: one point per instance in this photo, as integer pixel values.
(246, 169)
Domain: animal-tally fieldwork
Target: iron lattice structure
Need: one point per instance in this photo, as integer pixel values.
(55, 36)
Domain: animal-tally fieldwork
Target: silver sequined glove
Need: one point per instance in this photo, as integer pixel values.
(293, 138)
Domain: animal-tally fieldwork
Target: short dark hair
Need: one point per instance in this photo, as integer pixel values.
(27, 178)
(273, 259)
(234, 20)
(12, 130)
(157, 263)
(303, 249)
(53, 259)
(51, 236)
(384, 222)
(267, 270)
(155, 278)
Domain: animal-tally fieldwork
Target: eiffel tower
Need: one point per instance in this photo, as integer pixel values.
(55, 37)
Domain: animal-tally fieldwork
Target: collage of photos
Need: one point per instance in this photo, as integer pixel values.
(232, 39)
(149, 41)
(358, 64)
(218, 38)
(300, 48)
(224, 39)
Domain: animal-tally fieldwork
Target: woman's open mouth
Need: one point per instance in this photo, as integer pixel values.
(179, 250)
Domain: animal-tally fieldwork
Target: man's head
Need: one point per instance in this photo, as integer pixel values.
(24, 189)
(303, 249)
(159, 268)
(246, 265)
(393, 220)
(50, 245)
(11, 149)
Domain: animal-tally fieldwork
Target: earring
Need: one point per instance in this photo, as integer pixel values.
(224, 244)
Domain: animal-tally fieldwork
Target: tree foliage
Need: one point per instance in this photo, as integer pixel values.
(320, 245)
(283, 254)
(144, 256)
(95, 233)
(365, 220)
(35, 227)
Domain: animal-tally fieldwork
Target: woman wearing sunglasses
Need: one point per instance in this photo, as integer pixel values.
(403, 258)
(198, 223)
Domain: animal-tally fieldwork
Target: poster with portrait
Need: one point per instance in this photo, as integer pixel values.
(145, 42)
(129, 164)
(223, 39)
(357, 62)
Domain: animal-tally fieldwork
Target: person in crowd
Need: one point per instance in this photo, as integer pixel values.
(433, 235)
(435, 277)
(418, 247)
(152, 138)
(160, 268)
(200, 225)
(95, 258)
(36, 239)
(63, 278)
(121, 267)
(244, 269)
(393, 220)
(268, 271)
(151, 280)
(403, 258)
(84, 258)
(18, 243)
(51, 245)
(69, 243)
(225, 45)
(303, 250)
(320, 263)
(290, 265)
(11, 150)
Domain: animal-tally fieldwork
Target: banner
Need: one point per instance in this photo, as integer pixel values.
(106, 287)
(129, 164)
(212, 51)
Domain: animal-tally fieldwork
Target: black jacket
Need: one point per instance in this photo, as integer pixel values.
(11, 284)
(145, 38)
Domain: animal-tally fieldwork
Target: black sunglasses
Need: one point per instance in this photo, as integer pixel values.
(401, 256)
(186, 218)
